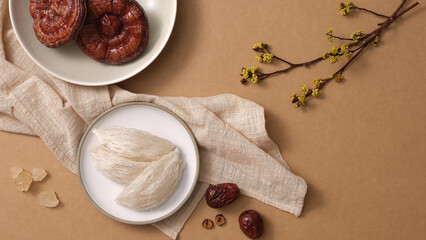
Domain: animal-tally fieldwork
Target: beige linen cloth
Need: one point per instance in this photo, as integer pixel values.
(230, 131)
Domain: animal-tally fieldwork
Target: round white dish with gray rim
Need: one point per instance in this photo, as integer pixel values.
(158, 121)
(69, 63)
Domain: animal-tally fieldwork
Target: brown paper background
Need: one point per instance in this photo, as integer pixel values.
(361, 146)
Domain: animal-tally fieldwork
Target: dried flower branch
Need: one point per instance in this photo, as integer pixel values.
(355, 44)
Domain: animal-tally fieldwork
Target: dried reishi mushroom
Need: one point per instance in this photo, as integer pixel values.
(15, 171)
(220, 220)
(251, 223)
(48, 199)
(222, 194)
(57, 22)
(114, 32)
(207, 224)
(38, 174)
(23, 181)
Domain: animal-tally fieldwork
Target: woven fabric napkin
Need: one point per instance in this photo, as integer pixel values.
(230, 131)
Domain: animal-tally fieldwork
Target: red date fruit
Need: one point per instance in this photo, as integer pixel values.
(222, 194)
(207, 224)
(220, 220)
(251, 223)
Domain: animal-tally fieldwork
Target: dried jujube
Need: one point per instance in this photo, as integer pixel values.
(207, 224)
(222, 194)
(251, 223)
(57, 22)
(220, 220)
(114, 32)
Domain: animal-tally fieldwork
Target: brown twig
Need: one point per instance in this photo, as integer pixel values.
(366, 10)
(292, 66)
(340, 38)
(399, 8)
(358, 50)
(357, 39)
(372, 36)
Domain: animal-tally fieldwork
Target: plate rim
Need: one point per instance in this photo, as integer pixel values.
(102, 83)
(87, 131)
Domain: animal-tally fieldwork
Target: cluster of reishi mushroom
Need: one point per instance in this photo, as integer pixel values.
(109, 31)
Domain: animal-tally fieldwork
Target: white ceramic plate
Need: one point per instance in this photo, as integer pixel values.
(69, 63)
(151, 118)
